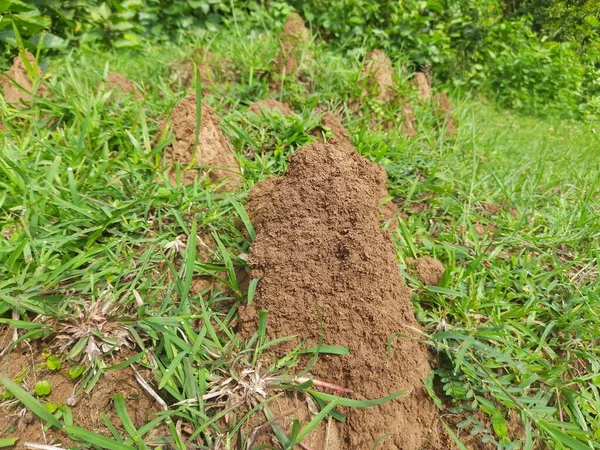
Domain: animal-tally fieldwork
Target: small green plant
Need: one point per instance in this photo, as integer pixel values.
(53, 363)
(42, 388)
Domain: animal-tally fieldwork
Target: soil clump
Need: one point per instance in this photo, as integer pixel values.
(327, 269)
(18, 74)
(117, 81)
(428, 270)
(211, 156)
(293, 39)
(444, 110)
(421, 83)
(378, 70)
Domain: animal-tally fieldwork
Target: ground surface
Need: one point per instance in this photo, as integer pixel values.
(124, 283)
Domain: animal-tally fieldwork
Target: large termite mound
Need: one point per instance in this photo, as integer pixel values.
(212, 154)
(378, 70)
(327, 268)
(17, 86)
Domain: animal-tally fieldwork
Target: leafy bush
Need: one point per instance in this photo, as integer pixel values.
(523, 73)
(410, 27)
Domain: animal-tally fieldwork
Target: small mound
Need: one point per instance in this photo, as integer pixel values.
(294, 36)
(378, 70)
(340, 134)
(18, 74)
(327, 269)
(262, 106)
(409, 127)
(421, 83)
(428, 270)
(117, 81)
(295, 29)
(444, 110)
(212, 154)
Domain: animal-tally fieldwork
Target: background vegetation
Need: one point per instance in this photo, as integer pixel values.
(535, 56)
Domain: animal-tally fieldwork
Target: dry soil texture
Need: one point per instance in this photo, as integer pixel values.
(323, 261)
(211, 156)
(18, 74)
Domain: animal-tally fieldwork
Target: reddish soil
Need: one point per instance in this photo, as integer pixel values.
(409, 126)
(212, 156)
(327, 267)
(262, 106)
(18, 74)
(293, 38)
(331, 121)
(295, 29)
(428, 270)
(421, 83)
(27, 363)
(117, 81)
(444, 110)
(378, 71)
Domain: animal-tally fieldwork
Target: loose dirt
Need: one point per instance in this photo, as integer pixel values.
(18, 74)
(444, 110)
(117, 81)
(212, 156)
(27, 364)
(428, 270)
(421, 83)
(262, 106)
(325, 266)
(378, 71)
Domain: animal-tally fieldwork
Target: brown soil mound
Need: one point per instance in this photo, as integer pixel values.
(340, 134)
(117, 81)
(212, 154)
(378, 70)
(18, 74)
(428, 270)
(26, 363)
(409, 126)
(324, 262)
(444, 110)
(294, 35)
(421, 83)
(271, 104)
(295, 29)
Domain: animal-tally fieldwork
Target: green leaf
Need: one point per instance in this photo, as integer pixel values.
(328, 349)
(42, 388)
(76, 371)
(51, 407)
(95, 439)
(351, 403)
(7, 442)
(53, 363)
(30, 402)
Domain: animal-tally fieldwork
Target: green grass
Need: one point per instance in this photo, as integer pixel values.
(510, 206)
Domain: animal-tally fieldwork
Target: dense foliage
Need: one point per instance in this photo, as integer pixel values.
(536, 56)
